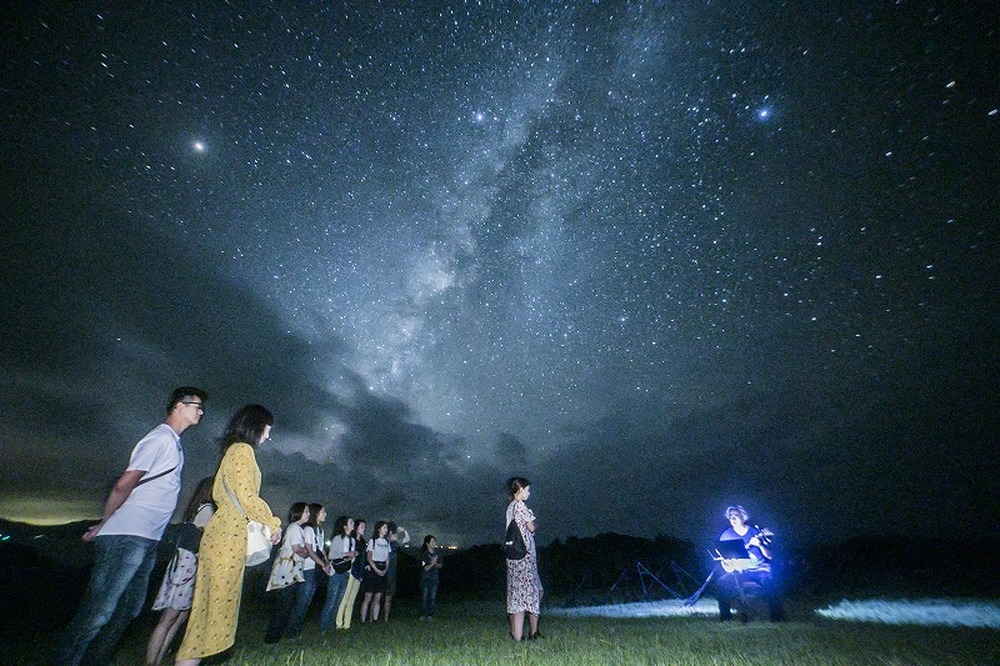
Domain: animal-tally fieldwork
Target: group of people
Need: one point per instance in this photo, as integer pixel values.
(203, 583)
(204, 580)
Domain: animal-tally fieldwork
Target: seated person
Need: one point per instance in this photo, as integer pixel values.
(756, 568)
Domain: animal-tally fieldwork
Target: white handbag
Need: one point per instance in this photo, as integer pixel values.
(258, 534)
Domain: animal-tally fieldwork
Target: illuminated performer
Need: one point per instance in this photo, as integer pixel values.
(756, 569)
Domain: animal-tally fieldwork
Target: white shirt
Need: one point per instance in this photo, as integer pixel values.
(309, 534)
(340, 545)
(294, 536)
(380, 550)
(148, 508)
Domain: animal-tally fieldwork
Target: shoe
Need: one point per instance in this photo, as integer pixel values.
(535, 636)
(516, 640)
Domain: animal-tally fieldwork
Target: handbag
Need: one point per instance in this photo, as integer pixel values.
(287, 568)
(513, 543)
(189, 537)
(258, 534)
(343, 564)
(258, 543)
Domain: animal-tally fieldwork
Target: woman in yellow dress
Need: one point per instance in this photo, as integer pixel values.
(219, 583)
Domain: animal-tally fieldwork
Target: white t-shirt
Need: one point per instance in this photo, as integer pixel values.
(203, 515)
(380, 550)
(294, 536)
(340, 545)
(149, 506)
(309, 534)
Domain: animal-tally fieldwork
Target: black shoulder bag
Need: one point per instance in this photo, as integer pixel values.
(513, 543)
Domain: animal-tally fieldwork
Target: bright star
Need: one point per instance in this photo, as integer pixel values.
(199, 146)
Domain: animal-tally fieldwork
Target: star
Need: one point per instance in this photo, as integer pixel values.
(199, 146)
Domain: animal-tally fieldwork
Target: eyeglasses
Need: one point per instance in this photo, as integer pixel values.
(200, 406)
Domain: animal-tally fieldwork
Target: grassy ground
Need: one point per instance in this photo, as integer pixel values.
(476, 633)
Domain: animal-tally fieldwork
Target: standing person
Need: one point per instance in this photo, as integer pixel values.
(219, 584)
(287, 573)
(373, 584)
(391, 570)
(346, 608)
(313, 533)
(135, 515)
(524, 587)
(340, 557)
(177, 589)
(430, 566)
(756, 569)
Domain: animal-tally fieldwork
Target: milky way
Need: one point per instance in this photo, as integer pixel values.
(657, 257)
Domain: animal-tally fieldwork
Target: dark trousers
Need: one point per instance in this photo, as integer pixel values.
(281, 612)
(732, 587)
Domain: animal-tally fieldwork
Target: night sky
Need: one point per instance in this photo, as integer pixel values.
(656, 257)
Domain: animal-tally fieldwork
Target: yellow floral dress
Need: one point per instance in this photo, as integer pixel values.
(219, 583)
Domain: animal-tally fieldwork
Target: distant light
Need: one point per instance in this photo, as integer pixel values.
(764, 113)
(199, 146)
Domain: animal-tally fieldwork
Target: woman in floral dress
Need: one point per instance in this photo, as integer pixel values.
(524, 588)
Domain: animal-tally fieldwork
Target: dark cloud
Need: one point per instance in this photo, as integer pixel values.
(560, 242)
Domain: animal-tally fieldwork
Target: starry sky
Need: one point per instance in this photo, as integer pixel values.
(657, 257)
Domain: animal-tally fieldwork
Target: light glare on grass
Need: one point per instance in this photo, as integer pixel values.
(924, 612)
(665, 608)
(921, 612)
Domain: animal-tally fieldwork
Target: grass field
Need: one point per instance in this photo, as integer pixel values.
(476, 633)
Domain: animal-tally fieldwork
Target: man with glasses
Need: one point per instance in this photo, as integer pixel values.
(135, 516)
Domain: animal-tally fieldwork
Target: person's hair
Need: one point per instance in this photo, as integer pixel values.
(740, 510)
(296, 511)
(427, 542)
(357, 522)
(514, 484)
(314, 510)
(202, 495)
(340, 525)
(181, 392)
(393, 527)
(378, 527)
(247, 426)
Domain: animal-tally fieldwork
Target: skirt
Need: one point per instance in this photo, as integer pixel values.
(177, 589)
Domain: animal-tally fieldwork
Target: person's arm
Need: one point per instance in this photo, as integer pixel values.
(764, 550)
(527, 517)
(242, 483)
(124, 486)
(313, 555)
(299, 547)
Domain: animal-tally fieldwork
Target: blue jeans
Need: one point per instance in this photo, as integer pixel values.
(300, 605)
(114, 597)
(428, 596)
(335, 587)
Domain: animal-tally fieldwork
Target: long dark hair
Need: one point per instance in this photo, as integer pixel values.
(314, 509)
(295, 512)
(354, 533)
(202, 495)
(340, 527)
(247, 426)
